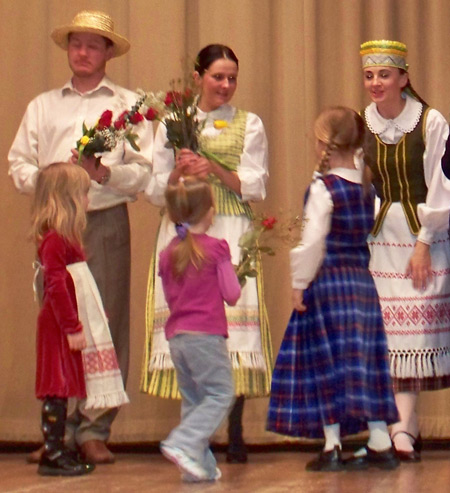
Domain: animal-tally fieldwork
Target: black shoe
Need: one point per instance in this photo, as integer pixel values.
(418, 443)
(77, 456)
(237, 455)
(327, 461)
(411, 455)
(386, 459)
(60, 463)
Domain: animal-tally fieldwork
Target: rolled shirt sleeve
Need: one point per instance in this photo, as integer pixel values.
(53, 123)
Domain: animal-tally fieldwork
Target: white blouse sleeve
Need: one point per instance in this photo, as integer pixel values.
(163, 164)
(253, 168)
(307, 257)
(434, 213)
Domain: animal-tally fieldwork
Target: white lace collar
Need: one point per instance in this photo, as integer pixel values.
(224, 112)
(406, 122)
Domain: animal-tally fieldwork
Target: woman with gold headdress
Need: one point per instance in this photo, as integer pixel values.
(409, 243)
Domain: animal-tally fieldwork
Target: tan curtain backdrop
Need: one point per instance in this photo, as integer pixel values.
(296, 57)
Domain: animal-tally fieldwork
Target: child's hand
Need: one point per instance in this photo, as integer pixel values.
(76, 341)
(297, 300)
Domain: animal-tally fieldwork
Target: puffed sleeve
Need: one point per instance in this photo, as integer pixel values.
(56, 284)
(434, 213)
(253, 168)
(163, 164)
(307, 257)
(446, 160)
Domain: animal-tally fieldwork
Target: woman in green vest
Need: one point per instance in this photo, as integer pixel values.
(238, 140)
(410, 250)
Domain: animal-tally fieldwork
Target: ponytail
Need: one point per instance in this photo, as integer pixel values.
(187, 203)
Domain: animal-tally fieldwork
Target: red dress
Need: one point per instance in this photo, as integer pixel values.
(59, 371)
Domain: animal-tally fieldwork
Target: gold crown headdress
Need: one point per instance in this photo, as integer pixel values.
(384, 53)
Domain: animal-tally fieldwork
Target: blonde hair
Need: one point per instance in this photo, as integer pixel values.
(341, 129)
(58, 202)
(187, 203)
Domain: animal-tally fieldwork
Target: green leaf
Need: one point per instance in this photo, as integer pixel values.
(248, 239)
(212, 157)
(132, 140)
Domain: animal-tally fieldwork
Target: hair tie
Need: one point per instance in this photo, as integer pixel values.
(182, 230)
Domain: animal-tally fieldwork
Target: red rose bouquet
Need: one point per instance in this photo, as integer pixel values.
(106, 133)
(268, 233)
(177, 111)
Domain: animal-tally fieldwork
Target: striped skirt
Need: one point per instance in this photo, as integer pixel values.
(249, 343)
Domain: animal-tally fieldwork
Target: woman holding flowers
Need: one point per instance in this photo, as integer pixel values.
(410, 251)
(237, 168)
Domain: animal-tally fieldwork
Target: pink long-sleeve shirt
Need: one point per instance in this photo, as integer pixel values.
(196, 299)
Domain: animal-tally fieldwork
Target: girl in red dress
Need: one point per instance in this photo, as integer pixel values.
(58, 220)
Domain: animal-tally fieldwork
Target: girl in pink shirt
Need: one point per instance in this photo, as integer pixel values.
(197, 277)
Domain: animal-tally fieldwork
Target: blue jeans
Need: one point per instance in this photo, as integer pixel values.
(205, 380)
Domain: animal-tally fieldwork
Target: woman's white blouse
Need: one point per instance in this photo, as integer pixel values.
(434, 213)
(307, 257)
(253, 167)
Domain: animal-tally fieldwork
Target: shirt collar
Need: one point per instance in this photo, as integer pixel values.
(406, 121)
(105, 84)
(354, 175)
(223, 112)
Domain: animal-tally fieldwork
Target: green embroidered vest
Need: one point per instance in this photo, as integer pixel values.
(398, 172)
(228, 147)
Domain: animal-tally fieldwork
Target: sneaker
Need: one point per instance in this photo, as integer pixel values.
(184, 463)
(187, 478)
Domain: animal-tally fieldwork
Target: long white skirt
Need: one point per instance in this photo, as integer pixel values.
(417, 322)
(249, 342)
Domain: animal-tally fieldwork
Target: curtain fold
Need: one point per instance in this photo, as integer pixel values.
(296, 57)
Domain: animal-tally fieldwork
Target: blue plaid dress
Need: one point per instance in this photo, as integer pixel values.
(333, 362)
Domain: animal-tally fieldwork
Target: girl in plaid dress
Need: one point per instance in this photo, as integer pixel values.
(331, 376)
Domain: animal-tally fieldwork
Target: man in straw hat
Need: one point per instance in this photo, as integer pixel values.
(48, 132)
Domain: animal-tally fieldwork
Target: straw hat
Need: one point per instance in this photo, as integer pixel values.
(89, 21)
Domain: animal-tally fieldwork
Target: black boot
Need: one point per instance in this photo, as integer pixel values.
(237, 451)
(56, 459)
